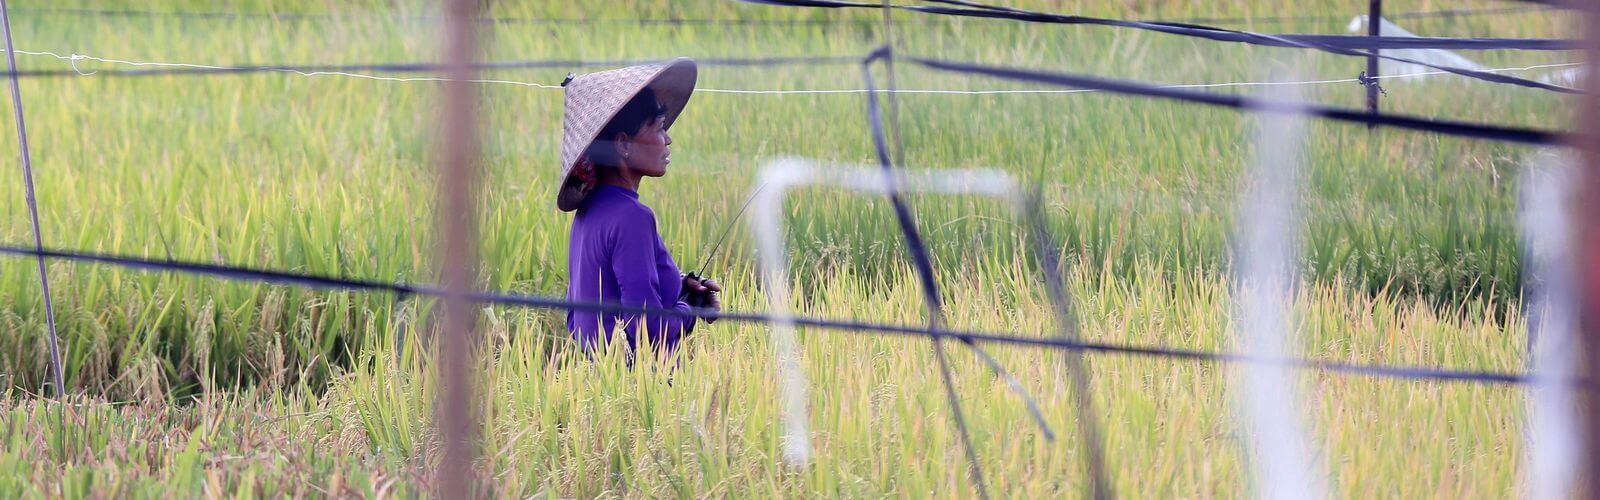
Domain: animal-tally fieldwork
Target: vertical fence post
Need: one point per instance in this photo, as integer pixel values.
(458, 182)
(58, 375)
(1587, 253)
(1374, 24)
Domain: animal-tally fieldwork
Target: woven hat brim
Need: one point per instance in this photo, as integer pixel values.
(593, 100)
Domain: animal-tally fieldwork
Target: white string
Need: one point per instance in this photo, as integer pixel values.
(73, 58)
(79, 57)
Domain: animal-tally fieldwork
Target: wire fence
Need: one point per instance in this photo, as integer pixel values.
(886, 143)
(375, 72)
(1333, 44)
(403, 289)
(867, 23)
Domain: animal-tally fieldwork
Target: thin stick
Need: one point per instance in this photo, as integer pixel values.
(908, 227)
(706, 259)
(458, 185)
(1067, 321)
(1087, 423)
(57, 372)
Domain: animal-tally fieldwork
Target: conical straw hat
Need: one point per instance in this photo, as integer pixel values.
(594, 99)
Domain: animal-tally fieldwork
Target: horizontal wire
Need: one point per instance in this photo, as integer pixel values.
(1420, 14)
(173, 69)
(220, 15)
(73, 58)
(278, 69)
(1332, 44)
(280, 277)
(239, 273)
(1246, 103)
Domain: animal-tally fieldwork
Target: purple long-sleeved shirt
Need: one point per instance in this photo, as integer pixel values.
(615, 255)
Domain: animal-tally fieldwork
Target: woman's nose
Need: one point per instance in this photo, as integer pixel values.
(669, 138)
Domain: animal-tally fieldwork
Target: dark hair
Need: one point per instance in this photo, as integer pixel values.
(632, 118)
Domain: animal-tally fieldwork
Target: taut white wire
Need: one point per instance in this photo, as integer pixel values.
(74, 58)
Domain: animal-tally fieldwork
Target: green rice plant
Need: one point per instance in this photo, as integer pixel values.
(559, 424)
(199, 386)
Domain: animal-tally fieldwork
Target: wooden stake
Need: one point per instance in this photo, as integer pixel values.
(1587, 253)
(458, 188)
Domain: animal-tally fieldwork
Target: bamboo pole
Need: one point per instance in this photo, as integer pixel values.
(58, 375)
(457, 194)
(1587, 253)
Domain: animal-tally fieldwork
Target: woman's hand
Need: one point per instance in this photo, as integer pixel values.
(704, 289)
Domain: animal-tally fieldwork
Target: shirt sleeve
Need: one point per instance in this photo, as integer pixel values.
(634, 263)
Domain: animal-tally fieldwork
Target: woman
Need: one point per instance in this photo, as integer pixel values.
(614, 136)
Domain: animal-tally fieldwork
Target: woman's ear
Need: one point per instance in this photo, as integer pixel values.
(623, 144)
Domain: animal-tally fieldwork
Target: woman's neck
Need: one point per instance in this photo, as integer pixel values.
(621, 177)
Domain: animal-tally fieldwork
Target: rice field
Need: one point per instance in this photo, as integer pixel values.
(188, 386)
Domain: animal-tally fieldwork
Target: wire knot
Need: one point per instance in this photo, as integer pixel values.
(73, 61)
(1370, 82)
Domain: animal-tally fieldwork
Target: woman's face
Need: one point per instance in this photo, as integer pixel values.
(647, 153)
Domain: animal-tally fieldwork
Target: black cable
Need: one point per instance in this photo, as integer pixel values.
(271, 16)
(1435, 125)
(498, 20)
(1422, 14)
(298, 16)
(1366, 42)
(1338, 44)
(1559, 4)
(238, 273)
(1347, 45)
